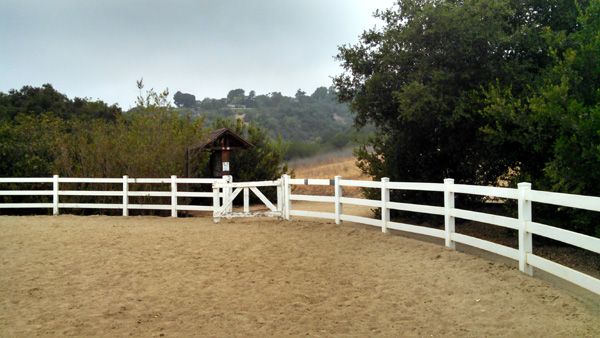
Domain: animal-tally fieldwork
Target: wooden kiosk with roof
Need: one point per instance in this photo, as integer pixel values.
(220, 143)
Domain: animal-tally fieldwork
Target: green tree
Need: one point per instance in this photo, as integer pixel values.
(184, 100)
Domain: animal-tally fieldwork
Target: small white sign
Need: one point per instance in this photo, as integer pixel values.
(225, 166)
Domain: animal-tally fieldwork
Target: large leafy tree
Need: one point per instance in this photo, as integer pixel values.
(419, 80)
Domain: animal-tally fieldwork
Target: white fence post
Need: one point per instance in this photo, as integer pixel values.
(216, 200)
(385, 198)
(287, 191)
(125, 195)
(173, 196)
(449, 221)
(55, 195)
(246, 200)
(525, 238)
(337, 199)
(280, 197)
(227, 192)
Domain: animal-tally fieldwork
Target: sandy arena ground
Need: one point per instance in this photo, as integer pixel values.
(151, 276)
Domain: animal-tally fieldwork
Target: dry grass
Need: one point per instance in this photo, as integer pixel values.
(329, 166)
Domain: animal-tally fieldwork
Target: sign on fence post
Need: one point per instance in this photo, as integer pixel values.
(55, 195)
(125, 195)
(525, 238)
(448, 218)
(173, 196)
(385, 198)
(337, 199)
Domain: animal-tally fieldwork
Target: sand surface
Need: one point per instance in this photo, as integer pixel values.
(151, 276)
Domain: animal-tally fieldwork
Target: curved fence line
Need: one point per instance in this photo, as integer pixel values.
(523, 223)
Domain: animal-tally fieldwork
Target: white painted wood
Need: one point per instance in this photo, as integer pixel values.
(26, 179)
(254, 214)
(570, 237)
(360, 219)
(229, 201)
(89, 180)
(525, 237)
(287, 193)
(197, 180)
(149, 180)
(26, 205)
(92, 206)
(55, 195)
(361, 201)
(216, 202)
(313, 198)
(173, 196)
(503, 221)
(89, 193)
(125, 195)
(510, 193)
(150, 193)
(249, 184)
(246, 200)
(313, 214)
(26, 192)
(363, 184)
(385, 199)
(280, 197)
(416, 229)
(228, 190)
(486, 245)
(426, 209)
(416, 186)
(310, 181)
(449, 220)
(567, 200)
(337, 199)
(194, 208)
(585, 281)
(263, 198)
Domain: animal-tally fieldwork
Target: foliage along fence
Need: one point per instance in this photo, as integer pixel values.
(222, 197)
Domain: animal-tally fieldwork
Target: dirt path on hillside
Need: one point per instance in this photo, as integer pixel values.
(151, 276)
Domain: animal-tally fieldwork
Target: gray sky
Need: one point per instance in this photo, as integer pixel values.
(99, 48)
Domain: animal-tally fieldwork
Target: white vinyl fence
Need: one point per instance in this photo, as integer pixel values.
(524, 224)
(222, 196)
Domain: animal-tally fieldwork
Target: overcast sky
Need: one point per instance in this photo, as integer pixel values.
(98, 49)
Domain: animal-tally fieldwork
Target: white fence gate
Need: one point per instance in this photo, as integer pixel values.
(231, 190)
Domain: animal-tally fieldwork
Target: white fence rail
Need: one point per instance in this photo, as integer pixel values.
(523, 224)
(224, 191)
(125, 183)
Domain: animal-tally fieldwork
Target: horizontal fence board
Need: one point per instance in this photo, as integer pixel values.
(566, 273)
(311, 181)
(485, 191)
(25, 205)
(363, 184)
(199, 180)
(486, 245)
(567, 200)
(148, 180)
(194, 208)
(89, 180)
(89, 193)
(26, 192)
(427, 209)
(148, 193)
(90, 206)
(26, 179)
(360, 219)
(416, 229)
(315, 214)
(503, 221)
(253, 214)
(565, 236)
(361, 201)
(195, 194)
(416, 186)
(149, 206)
(312, 198)
(248, 184)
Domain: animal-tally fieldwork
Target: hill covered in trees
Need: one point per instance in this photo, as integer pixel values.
(308, 123)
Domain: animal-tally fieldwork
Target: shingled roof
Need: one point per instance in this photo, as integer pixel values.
(213, 140)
